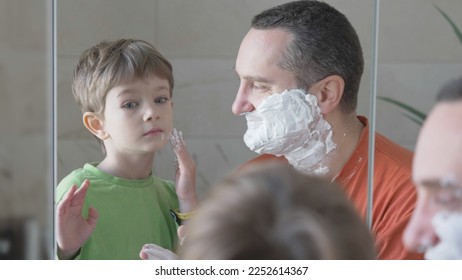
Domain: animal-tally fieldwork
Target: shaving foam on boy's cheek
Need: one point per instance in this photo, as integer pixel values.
(448, 228)
(291, 124)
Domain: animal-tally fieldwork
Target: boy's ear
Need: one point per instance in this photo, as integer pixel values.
(329, 92)
(94, 124)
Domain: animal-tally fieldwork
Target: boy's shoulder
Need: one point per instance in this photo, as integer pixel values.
(168, 185)
(76, 177)
(163, 188)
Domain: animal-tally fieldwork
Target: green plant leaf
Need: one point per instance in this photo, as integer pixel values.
(410, 112)
(453, 25)
(414, 119)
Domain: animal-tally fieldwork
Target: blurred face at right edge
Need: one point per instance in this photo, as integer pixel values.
(436, 225)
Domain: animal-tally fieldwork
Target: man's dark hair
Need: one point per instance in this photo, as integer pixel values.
(324, 44)
(451, 91)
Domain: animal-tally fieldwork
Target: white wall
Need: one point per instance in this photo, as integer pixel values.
(25, 95)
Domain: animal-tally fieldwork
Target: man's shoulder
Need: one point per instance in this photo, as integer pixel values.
(393, 171)
(392, 153)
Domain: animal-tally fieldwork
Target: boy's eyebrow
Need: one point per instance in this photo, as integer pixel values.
(159, 88)
(126, 91)
(133, 90)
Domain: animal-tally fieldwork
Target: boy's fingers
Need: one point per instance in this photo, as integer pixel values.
(83, 188)
(80, 194)
(184, 163)
(66, 201)
(182, 155)
(155, 252)
(183, 158)
(144, 255)
(179, 147)
(69, 195)
(181, 232)
(176, 139)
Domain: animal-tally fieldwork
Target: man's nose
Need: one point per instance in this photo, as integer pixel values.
(242, 104)
(419, 234)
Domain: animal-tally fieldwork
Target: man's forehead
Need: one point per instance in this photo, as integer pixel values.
(439, 147)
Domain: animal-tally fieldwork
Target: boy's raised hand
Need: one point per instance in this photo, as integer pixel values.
(72, 228)
(185, 177)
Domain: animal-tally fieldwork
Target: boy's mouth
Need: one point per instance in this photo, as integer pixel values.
(154, 131)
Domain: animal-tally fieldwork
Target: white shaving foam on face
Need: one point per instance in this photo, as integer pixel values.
(290, 124)
(448, 228)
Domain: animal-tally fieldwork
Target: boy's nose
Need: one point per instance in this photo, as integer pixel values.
(150, 113)
(242, 104)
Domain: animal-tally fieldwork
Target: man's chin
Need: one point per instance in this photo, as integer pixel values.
(444, 251)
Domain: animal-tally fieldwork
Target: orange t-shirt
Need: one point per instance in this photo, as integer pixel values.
(394, 193)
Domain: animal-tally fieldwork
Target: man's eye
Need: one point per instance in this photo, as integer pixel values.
(448, 199)
(161, 100)
(259, 86)
(129, 105)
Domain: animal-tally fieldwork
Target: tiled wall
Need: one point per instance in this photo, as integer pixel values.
(25, 106)
(418, 52)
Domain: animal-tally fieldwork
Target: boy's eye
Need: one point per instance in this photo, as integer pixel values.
(161, 100)
(129, 105)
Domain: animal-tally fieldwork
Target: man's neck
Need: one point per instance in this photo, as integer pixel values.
(347, 131)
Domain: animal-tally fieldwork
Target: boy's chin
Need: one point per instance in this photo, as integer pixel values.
(152, 147)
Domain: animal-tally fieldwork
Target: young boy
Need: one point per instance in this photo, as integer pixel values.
(124, 89)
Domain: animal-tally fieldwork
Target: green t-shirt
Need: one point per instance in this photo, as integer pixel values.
(131, 213)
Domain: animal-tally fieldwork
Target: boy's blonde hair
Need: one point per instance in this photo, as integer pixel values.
(109, 63)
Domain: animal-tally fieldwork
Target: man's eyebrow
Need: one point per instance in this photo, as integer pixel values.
(437, 183)
(252, 78)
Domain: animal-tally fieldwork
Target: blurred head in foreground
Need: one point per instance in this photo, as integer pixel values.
(436, 224)
(273, 212)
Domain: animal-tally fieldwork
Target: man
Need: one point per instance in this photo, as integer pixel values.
(300, 67)
(436, 225)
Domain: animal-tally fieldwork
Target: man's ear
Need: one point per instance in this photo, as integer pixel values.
(94, 123)
(329, 92)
